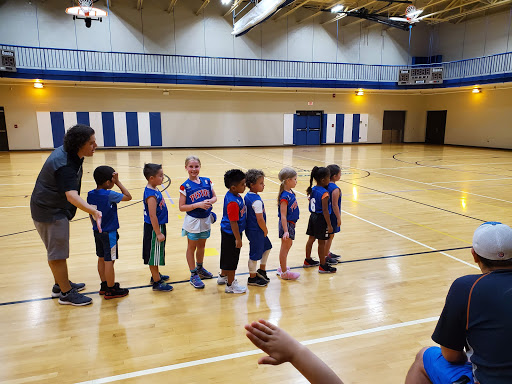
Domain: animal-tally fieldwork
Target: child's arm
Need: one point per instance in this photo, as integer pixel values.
(236, 233)
(213, 200)
(74, 198)
(190, 207)
(151, 200)
(281, 348)
(262, 224)
(336, 207)
(124, 191)
(325, 210)
(283, 207)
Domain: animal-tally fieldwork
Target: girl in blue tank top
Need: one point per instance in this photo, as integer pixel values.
(319, 226)
(335, 195)
(196, 199)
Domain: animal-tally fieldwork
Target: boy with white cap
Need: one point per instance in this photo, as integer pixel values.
(475, 327)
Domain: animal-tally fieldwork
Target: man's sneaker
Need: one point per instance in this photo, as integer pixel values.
(331, 261)
(74, 298)
(115, 292)
(257, 281)
(103, 287)
(289, 275)
(334, 256)
(280, 271)
(204, 274)
(221, 280)
(263, 275)
(308, 263)
(56, 289)
(162, 278)
(235, 288)
(326, 268)
(196, 282)
(162, 286)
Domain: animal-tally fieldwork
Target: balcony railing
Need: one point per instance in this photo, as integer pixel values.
(82, 63)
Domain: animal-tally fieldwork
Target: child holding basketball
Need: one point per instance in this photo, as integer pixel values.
(106, 202)
(256, 229)
(155, 218)
(231, 228)
(319, 226)
(288, 212)
(196, 199)
(335, 196)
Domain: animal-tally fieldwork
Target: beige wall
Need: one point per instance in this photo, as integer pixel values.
(201, 118)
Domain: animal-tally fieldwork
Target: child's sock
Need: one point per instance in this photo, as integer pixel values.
(199, 265)
(194, 271)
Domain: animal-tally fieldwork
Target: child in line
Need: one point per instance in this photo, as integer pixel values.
(196, 198)
(335, 196)
(256, 229)
(105, 201)
(231, 228)
(155, 218)
(319, 226)
(288, 213)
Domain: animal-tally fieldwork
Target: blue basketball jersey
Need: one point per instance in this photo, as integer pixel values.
(106, 202)
(292, 212)
(242, 213)
(252, 222)
(161, 208)
(195, 193)
(315, 199)
(331, 188)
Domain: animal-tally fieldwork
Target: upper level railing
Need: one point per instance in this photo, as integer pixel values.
(56, 59)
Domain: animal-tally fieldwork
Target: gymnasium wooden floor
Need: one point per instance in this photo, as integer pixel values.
(409, 212)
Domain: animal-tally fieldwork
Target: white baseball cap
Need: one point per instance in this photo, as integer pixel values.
(493, 241)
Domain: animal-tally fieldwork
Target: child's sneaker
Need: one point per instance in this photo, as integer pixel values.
(162, 286)
(280, 271)
(204, 274)
(74, 298)
(56, 289)
(196, 282)
(221, 280)
(235, 288)
(326, 268)
(257, 281)
(308, 263)
(162, 278)
(331, 261)
(289, 275)
(103, 287)
(263, 275)
(115, 292)
(334, 256)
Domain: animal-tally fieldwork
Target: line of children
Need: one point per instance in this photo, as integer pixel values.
(239, 214)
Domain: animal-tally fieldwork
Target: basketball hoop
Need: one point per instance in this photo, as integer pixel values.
(86, 11)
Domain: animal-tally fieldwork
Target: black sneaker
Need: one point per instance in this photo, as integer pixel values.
(331, 261)
(308, 263)
(257, 281)
(115, 292)
(326, 268)
(56, 289)
(334, 256)
(263, 275)
(74, 298)
(103, 287)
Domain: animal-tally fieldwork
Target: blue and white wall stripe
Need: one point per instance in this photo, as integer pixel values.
(113, 129)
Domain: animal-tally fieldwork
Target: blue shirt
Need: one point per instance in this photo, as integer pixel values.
(241, 218)
(331, 188)
(161, 208)
(195, 193)
(292, 212)
(481, 322)
(106, 202)
(252, 222)
(315, 199)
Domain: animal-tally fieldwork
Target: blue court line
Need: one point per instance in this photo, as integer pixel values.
(246, 273)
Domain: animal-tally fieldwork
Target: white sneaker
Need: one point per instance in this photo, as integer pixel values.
(221, 280)
(235, 288)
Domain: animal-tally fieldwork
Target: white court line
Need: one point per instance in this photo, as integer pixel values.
(369, 222)
(464, 181)
(194, 363)
(16, 206)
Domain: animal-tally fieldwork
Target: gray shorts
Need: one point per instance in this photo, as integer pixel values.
(55, 237)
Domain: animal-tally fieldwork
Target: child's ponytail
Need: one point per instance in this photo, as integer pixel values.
(313, 174)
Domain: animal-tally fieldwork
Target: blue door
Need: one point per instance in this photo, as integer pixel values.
(300, 129)
(314, 129)
(307, 127)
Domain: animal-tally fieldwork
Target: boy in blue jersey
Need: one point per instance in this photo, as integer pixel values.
(231, 227)
(256, 229)
(155, 218)
(106, 202)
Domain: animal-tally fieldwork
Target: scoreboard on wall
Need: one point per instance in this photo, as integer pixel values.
(420, 76)
(7, 61)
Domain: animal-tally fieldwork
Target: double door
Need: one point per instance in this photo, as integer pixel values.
(307, 127)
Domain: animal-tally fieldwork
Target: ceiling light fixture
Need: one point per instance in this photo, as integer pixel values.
(337, 8)
(476, 89)
(38, 84)
(360, 92)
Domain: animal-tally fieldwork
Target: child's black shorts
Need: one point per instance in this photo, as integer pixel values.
(229, 253)
(317, 226)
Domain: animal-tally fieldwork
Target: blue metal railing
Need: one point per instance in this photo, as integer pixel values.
(55, 59)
